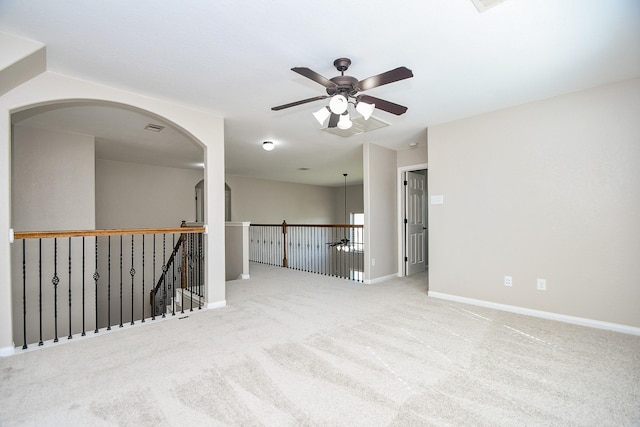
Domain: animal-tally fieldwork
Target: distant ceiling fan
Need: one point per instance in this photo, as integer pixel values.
(343, 90)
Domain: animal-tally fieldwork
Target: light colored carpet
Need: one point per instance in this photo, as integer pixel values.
(293, 348)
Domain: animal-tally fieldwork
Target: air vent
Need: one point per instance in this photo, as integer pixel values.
(360, 125)
(483, 5)
(153, 127)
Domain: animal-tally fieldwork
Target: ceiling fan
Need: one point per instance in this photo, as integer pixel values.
(343, 90)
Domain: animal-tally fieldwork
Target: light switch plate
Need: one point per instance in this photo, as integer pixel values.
(437, 200)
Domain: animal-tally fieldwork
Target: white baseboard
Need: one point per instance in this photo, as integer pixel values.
(380, 279)
(216, 304)
(244, 277)
(7, 351)
(542, 314)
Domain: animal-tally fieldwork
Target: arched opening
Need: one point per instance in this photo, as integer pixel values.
(82, 165)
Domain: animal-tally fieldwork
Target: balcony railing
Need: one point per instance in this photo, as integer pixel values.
(72, 282)
(329, 249)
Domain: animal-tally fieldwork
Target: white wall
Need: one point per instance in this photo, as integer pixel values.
(132, 195)
(380, 212)
(548, 190)
(271, 202)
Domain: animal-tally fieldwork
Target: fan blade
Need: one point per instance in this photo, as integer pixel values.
(395, 75)
(304, 101)
(310, 74)
(381, 104)
(333, 120)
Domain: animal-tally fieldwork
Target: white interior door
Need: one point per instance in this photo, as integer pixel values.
(416, 223)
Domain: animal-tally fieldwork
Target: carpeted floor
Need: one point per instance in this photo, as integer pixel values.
(293, 348)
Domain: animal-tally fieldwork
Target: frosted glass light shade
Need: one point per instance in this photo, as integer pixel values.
(268, 145)
(345, 122)
(338, 104)
(365, 109)
(322, 115)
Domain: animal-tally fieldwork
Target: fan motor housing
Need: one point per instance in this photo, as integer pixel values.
(346, 85)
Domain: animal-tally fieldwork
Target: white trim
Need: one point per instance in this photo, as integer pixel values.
(380, 279)
(625, 329)
(7, 351)
(238, 223)
(11, 235)
(244, 277)
(216, 304)
(400, 201)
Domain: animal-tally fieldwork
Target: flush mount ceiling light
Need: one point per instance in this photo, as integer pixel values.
(268, 145)
(343, 90)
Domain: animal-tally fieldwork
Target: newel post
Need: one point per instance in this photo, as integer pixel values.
(183, 275)
(285, 263)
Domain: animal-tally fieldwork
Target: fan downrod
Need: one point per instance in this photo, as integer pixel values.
(342, 64)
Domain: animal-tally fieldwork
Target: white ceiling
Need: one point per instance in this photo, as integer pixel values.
(233, 58)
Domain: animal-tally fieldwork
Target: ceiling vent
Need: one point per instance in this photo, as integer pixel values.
(153, 127)
(483, 5)
(360, 125)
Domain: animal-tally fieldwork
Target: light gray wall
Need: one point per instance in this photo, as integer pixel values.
(548, 190)
(52, 180)
(271, 202)
(380, 182)
(52, 188)
(132, 195)
(412, 156)
(355, 202)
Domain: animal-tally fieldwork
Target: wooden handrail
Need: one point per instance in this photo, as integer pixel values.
(114, 232)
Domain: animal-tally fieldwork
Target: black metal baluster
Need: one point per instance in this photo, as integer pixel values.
(121, 281)
(96, 277)
(133, 273)
(83, 274)
(164, 276)
(143, 296)
(40, 287)
(201, 270)
(173, 281)
(189, 266)
(153, 290)
(70, 336)
(109, 286)
(183, 274)
(55, 282)
(24, 294)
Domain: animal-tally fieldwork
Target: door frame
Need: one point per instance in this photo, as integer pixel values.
(400, 209)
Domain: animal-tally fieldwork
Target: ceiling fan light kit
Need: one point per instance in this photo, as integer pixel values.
(345, 121)
(366, 110)
(343, 88)
(322, 115)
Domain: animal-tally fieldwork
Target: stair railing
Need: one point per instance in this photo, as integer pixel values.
(96, 279)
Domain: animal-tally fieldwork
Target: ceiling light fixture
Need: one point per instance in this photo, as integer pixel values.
(268, 145)
(365, 109)
(322, 115)
(345, 122)
(338, 104)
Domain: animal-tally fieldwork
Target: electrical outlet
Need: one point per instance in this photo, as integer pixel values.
(508, 281)
(542, 284)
